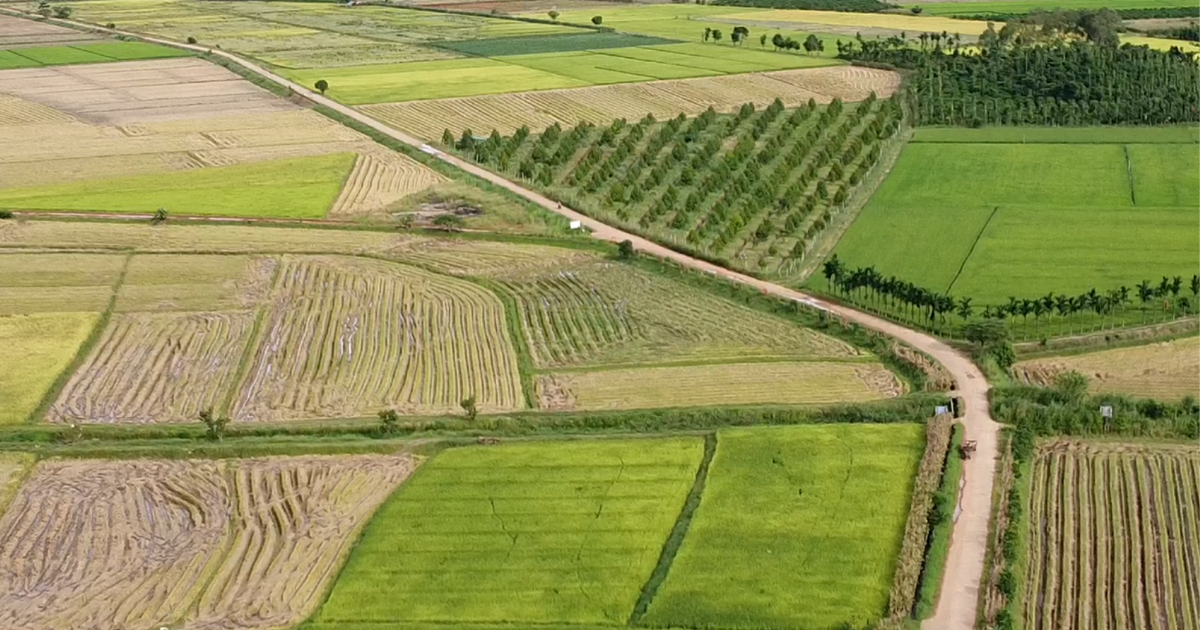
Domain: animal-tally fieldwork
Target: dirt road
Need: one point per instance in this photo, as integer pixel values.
(961, 582)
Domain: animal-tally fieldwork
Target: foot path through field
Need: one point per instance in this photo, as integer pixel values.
(964, 568)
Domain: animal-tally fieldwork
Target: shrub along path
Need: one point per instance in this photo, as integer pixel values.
(964, 568)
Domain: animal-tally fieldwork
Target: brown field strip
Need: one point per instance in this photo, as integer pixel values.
(156, 367)
(18, 33)
(56, 283)
(170, 282)
(445, 255)
(602, 104)
(91, 122)
(1168, 369)
(347, 337)
(126, 545)
(1114, 537)
(729, 384)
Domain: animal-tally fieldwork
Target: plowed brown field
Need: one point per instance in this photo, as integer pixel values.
(600, 105)
(115, 545)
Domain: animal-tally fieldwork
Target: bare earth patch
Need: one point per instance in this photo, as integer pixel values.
(116, 545)
(20, 33)
(664, 99)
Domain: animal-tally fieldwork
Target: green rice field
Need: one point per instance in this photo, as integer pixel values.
(522, 533)
(1025, 6)
(100, 52)
(989, 219)
(799, 527)
(292, 188)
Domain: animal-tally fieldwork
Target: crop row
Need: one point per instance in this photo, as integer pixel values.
(757, 187)
(1114, 540)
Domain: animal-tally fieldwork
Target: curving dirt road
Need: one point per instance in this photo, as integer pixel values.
(956, 606)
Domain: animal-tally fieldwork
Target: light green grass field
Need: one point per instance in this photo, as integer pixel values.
(799, 527)
(527, 533)
(35, 349)
(100, 52)
(61, 55)
(295, 188)
(1023, 220)
(10, 60)
(1182, 134)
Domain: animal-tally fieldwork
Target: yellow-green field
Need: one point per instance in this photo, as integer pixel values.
(36, 349)
(1164, 370)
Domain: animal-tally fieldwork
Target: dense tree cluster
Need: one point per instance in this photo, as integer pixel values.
(908, 302)
(1010, 83)
(1124, 14)
(753, 188)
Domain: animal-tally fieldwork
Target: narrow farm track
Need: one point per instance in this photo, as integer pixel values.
(956, 608)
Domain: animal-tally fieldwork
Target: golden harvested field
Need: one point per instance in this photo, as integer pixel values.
(446, 255)
(598, 312)
(13, 468)
(184, 282)
(102, 121)
(1160, 370)
(56, 282)
(116, 545)
(347, 336)
(730, 384)
(601, 104)
(156, 367)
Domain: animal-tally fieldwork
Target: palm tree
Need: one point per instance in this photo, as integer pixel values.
(1145, 294)
(964, 308)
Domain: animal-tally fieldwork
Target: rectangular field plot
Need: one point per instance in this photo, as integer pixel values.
(123, 545)
(174, 282)
(601, 313)
(1060, 135)
(565, 532)
(1112, 537)
(990, 220)
(799, 527)
(35, 350)
(807, 383)
(1166, 370)
(347, 337)
(56, 283)
(161, 367)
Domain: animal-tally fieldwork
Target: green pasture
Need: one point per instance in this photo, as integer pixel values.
(524, 533)
(990, 221)
(799, 527)
(291, 188)
(1025, 6)
(1182, 134)
(35, 349)
(99, 52)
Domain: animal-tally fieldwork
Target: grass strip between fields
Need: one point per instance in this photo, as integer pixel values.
(678, 534)
(85, 348)
(516, 331)
(939, 538)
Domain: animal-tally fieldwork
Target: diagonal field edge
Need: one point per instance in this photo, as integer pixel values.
(678, 533)
(970, 252)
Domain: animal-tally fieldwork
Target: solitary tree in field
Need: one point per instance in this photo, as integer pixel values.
(469, 405)
(625, 249)
(160, 217)
(597, 20)
(707, 33)
(762, 40)
(553, 15)
(740, 34)
(62, 11)
(321, 85)
(716, 35)
(389, 421)
(447, 138)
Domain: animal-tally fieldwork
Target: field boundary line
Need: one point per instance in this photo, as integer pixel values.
(252, 339)
(526, 369)
(678, 533)
(85, 348)
(1129, 171)
(971, 251)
